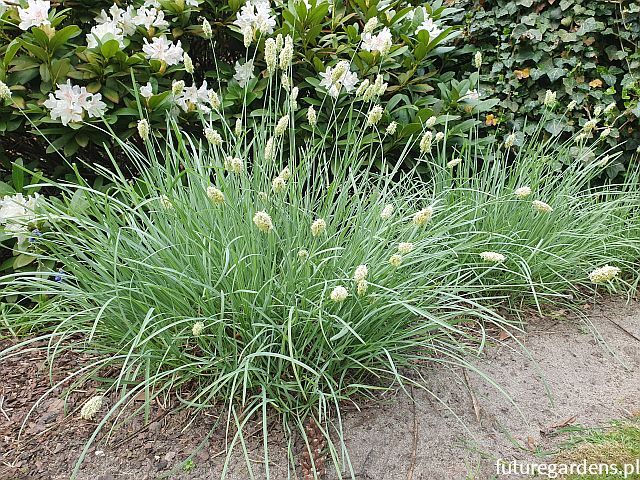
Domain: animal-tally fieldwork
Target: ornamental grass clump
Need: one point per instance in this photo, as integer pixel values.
(198, 281)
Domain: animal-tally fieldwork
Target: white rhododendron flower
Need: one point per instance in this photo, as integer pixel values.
(255, 16)
(380, 43)
(35, 15)
(17, 212)
(244, 73)
(104, 32)
(150, 18)
(334, 79)
(492, 257)
(604, 274)
(146, 91)
(163, 50)
(122, 18)
(70, 102)
(194, 98)
(432, 28)
(339, 294)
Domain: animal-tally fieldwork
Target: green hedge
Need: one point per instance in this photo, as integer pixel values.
(587, 51)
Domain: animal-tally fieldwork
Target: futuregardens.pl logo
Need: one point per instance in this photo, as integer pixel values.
(555, 470)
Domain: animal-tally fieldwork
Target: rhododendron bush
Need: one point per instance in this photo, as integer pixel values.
(66, 71)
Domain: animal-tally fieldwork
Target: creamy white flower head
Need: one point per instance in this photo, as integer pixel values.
(421, 217)
(374, 115)
(477, 59)
(362, 286)
(237, 130)
(303, 254)
(339, 294)
(234, 164)
(610, 108)
(270, 149)
(122, 18)
(92, 406)
(334, 79)
(165, 202)
(391, 128)
(143, 128)
(207, 32)
(380, 43)
(431, 121)
(104, 32)
(387, 211)
(312, 116)
(510, 140)
(35, 15)
(549, 98)
(431, 27)
(212, 136)
(360, 273)
(244, 73)
(572, 105)
(522, 192)
(405, 247)
(395, 260)
(454, 162)
(5, 91)
(285, 173)
(425, 142)
(286, 54)
(590, 125)
(214, 100)
(146, 91)
(439, 137)
(605, 133)
(285, 82)
(271, 55)
(371, 25)
(188, 63)
(263, 221)
(215, 194)
(281, 126)
(318, 227)
(604, 274)
(197, 329)
(597, 111)
(278, 184)
(541, 206)
(177, 87)
(163, 50)
(492, 257)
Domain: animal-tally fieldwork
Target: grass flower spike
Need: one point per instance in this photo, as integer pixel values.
(263, 221)
(522, 192)
(541, 207)
(421, 217)
(91, 407)
(318, 227)
(604, 274)
(339, 294)
(492, 257)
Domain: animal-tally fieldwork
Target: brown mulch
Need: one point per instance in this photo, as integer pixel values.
(46, 442)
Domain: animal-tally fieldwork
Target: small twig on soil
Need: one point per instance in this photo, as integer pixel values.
(414, 448)
(623, 329)
(140, 430)
(2, 409)
(474, 400)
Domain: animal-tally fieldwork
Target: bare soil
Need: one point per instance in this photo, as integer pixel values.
(570, 374)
